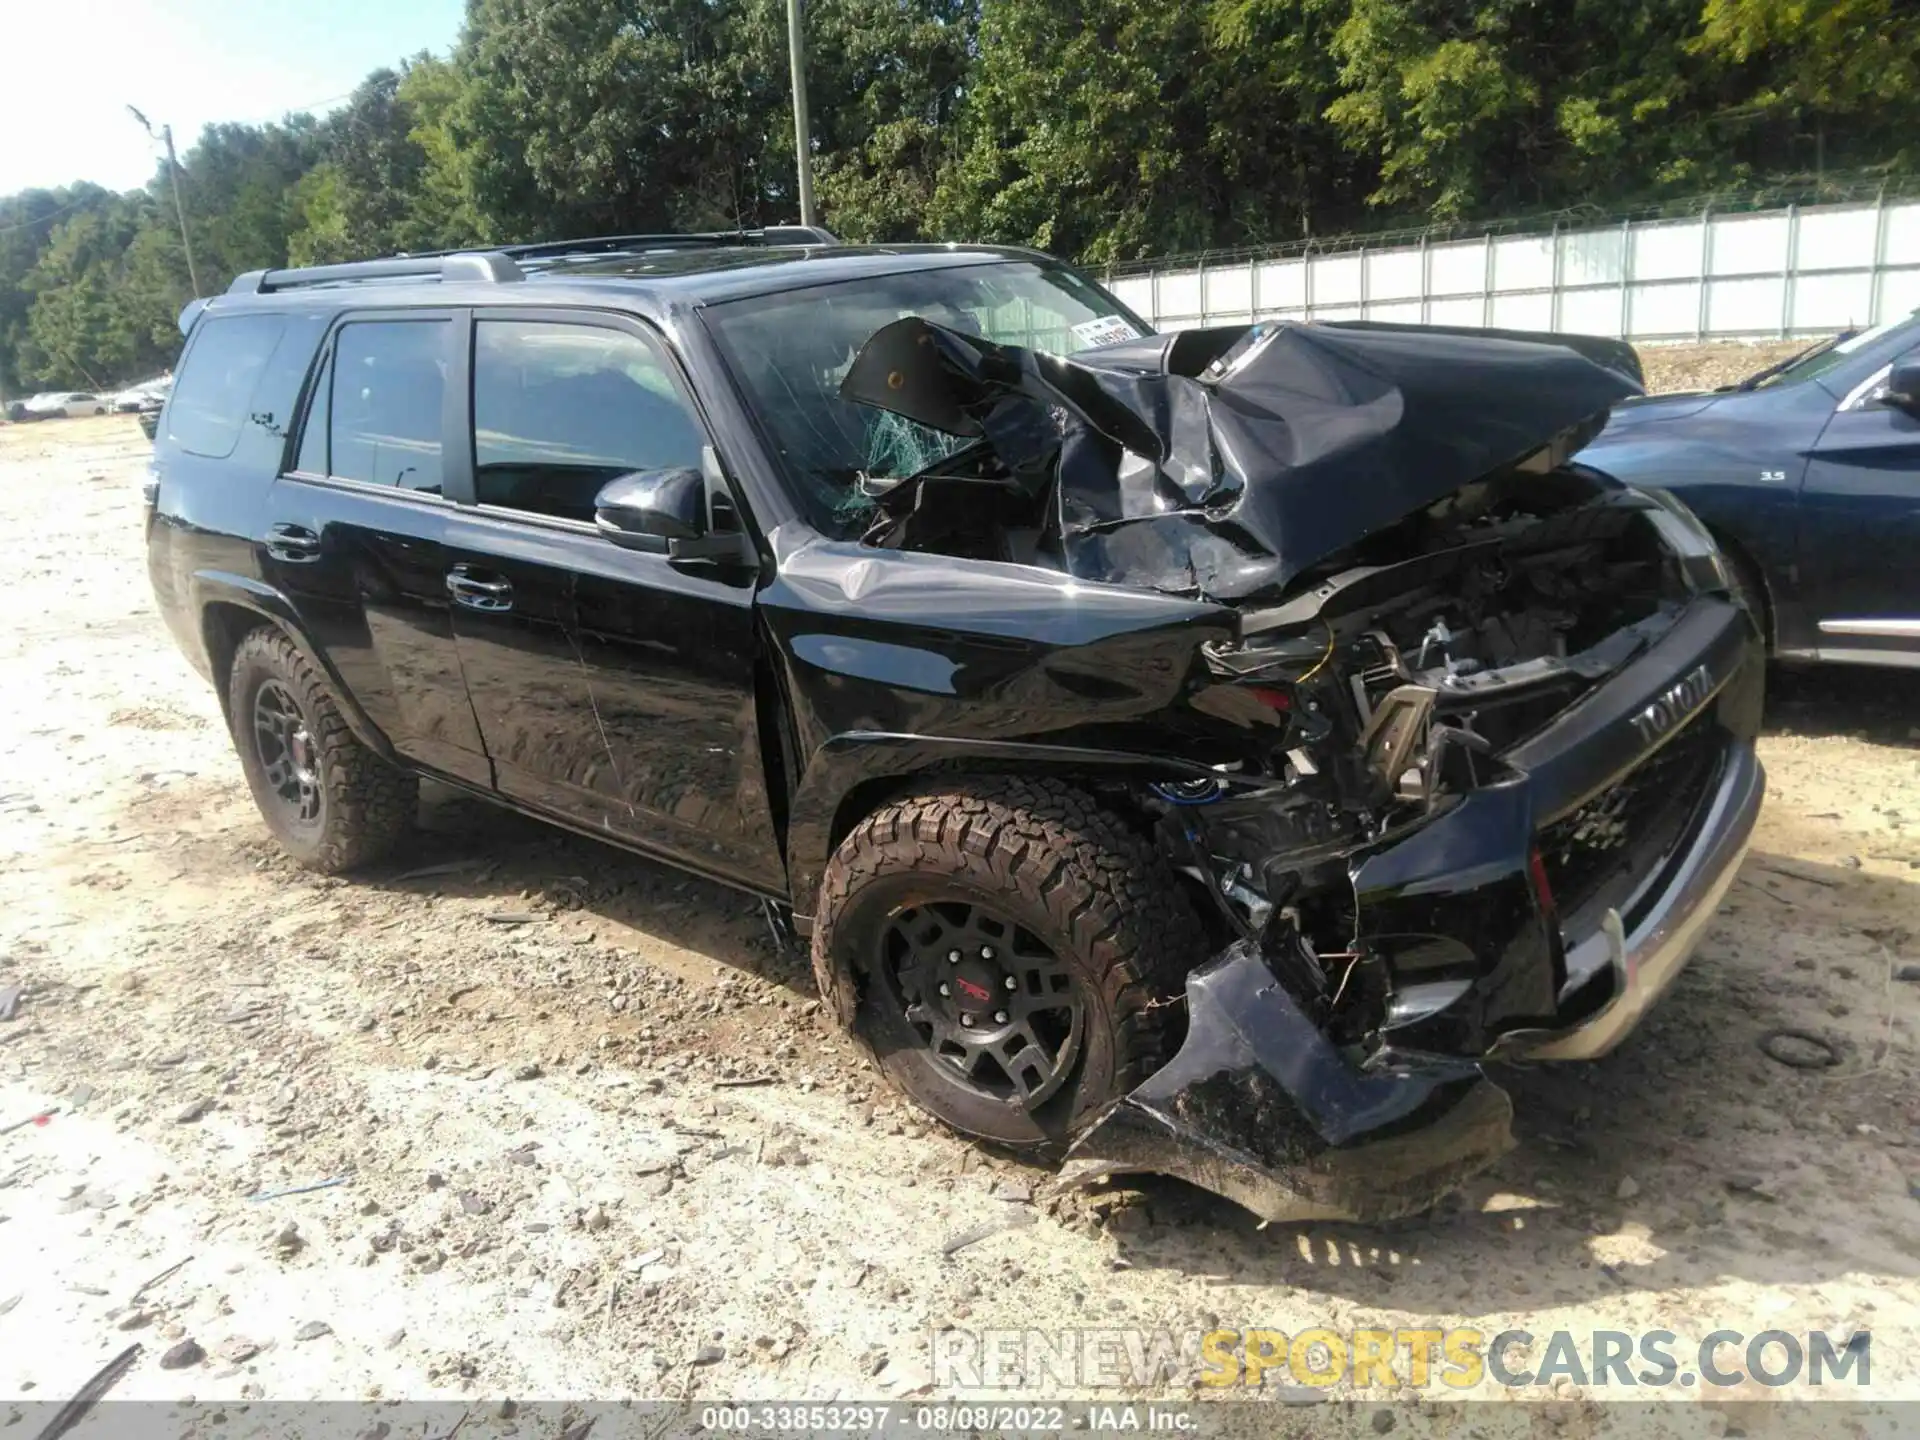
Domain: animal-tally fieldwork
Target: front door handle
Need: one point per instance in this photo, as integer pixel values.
(295, 544)
(478, 589)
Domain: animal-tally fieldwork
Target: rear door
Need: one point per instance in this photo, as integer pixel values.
(1860, 528)
(357, 531)
(614, 688)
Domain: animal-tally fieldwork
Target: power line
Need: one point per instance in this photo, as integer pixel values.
(55, 214)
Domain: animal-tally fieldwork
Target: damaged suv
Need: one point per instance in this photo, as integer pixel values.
(1191, 753)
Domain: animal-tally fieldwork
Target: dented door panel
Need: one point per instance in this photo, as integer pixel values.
(618, 690)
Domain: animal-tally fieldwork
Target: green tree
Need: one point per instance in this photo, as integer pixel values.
(1839, 72)
(1432, 89)
(28, 224)
(77, 334)
(1117, 128)
(585, 116)
(886, 84)
(1099, 129)
(445, 214)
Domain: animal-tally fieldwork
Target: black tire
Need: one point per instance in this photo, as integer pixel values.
(351, 807)
(1750, 591)
(1044, 861)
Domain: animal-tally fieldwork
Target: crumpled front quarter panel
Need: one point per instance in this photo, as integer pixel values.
(896, 662)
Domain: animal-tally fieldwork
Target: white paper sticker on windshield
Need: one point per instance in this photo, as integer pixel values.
(1107, 330)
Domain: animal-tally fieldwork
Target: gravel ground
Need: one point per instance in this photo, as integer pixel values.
(583, 1132)
(1703, 367)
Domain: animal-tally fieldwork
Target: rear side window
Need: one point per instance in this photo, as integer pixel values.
(559, 410)
(383, 403)
(217, 380)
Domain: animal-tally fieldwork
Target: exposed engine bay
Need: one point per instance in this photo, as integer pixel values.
(1395, 682)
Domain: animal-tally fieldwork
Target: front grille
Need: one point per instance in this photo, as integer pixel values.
(1610, 842)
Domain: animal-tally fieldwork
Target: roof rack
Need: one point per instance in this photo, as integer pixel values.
(502, 264)
(486, 266)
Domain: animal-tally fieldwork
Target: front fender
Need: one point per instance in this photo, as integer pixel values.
(897, 663)
(828, 801)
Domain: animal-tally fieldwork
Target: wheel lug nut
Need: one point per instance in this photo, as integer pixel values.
(946, 990)
(986, 952)
(1012, 984)
(967, 1021)
(999, 1017)
(953, 957)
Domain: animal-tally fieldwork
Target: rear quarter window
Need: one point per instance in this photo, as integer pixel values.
(212, 396)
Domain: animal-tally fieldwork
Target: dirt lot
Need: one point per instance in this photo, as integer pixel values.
(1701, 367)
(591, 1136)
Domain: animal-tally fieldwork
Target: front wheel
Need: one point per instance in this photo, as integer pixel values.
(1750, 592)
(331, 803)
(1017, 954)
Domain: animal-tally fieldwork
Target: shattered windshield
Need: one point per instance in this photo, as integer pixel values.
(790, 352)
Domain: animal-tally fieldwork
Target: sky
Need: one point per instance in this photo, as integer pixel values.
(70, 68)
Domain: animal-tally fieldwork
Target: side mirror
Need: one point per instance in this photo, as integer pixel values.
(652, 505)
(1903, 387)
(644, 507)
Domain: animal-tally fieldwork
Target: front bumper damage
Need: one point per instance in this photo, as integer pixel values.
(1636, 966)
(1260, 1106)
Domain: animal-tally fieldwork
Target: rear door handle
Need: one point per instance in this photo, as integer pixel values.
(478, 589)
(293, 543)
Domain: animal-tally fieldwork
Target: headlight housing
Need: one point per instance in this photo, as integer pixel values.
(1695, 550)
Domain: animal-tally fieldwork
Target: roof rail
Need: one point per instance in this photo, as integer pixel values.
(487, 266)
(687, 240)
(502, 263)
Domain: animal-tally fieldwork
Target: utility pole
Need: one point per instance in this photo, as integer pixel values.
(173, 175)
(802, 142)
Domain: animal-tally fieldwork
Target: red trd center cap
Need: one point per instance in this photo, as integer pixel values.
(974, 991)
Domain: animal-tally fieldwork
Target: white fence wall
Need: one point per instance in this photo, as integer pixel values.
(1799, 271)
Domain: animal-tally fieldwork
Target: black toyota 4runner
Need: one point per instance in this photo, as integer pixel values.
(1193, 753)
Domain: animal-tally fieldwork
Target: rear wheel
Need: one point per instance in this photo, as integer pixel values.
(1016, 951)
(331, 803)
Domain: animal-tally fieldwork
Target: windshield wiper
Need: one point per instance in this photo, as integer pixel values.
(1819, 347)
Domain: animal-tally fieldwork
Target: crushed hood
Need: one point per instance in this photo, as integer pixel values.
(1225, 462)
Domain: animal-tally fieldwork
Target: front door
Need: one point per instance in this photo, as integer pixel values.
(1860, 530)
(356, 533)
(613, 687)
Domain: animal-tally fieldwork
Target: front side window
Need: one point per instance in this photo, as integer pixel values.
(790, 352)
(211, 399)
(389, 381)
(560, 409)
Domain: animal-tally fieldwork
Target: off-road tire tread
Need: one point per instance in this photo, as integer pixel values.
(370, 804)
(1098, 880)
